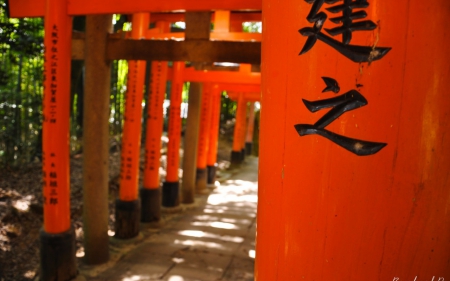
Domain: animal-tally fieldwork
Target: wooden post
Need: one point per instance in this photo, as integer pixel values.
(213, 135)
(250, 126)
(197, 27)
(57, 238)
(96, 141)
(151, 193)
(128, 207)
(191, 143)
(170, 189)
(373, 207)
(203, 139)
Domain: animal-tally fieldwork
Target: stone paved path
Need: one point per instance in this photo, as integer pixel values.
(214, 241)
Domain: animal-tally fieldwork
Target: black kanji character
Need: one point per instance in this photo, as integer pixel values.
(353, 52)
(349, 101)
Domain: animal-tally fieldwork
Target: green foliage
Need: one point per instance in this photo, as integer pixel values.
(21, 62)
(252, 26)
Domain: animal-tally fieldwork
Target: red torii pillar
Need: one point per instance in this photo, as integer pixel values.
(233, 81)
(340, 216)
(239, 131)
(213, 135)
(171, 185)
(57, 238)
(252, 97)
(203, 138)
(250, 126)
(150, 193)
(128, 206)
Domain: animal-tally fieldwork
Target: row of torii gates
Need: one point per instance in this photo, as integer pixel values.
(324, 212)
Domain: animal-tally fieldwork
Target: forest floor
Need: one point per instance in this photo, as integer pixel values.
(21, 208)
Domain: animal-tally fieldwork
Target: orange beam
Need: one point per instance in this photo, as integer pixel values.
(239, 17)
(55, 148)
(35, 8)
(221, 77)
(241, 88)
(214, 36)
(129, 172)
(247, 96)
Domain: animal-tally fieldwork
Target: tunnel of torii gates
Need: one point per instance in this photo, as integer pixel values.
(359, 191)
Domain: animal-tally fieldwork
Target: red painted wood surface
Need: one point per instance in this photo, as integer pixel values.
(215, 36)
(239, 126)
(243, 88)
(214, 126)
(35, 8)
(154, 124)
(55, 128)
(205, 121)
(325, 213)
(248, 96)
(174, 134)
(250, 123)
(235, 17)
(131, 137)
(220, 77)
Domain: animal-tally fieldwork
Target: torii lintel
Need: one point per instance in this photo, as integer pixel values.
(36, 8)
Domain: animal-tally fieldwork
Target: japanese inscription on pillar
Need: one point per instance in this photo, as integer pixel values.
(50, 174)
(349, 12)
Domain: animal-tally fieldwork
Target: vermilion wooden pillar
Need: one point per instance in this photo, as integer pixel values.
(57, 238)
(213, 135)
(128, 209)
(250, 125)
(340, 216)
(151, 193)
(203, 139)
(170, 189)
(236, 153)
(243, 132)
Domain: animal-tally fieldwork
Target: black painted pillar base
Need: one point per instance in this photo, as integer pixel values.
(212, 174)
(57, 254)
(128, 217)
(200, 179)
(150, 204)
(243, 155)
(236, 158)
(248, 148)
(171, 194)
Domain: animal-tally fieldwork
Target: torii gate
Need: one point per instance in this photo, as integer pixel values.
(252, 97)
(57, 236)
(193, 180)
(129, 208)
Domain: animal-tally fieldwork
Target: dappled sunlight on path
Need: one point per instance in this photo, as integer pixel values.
(213, 241)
